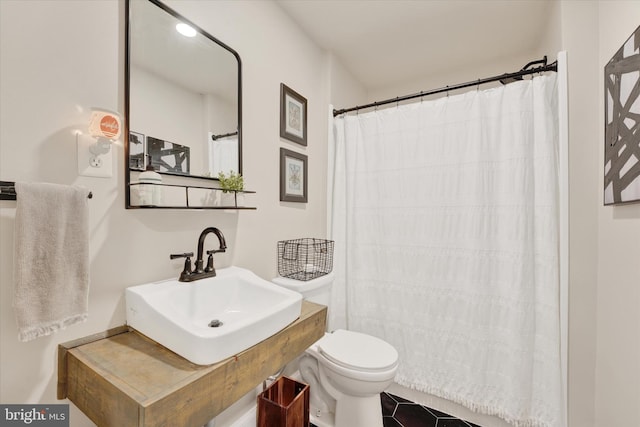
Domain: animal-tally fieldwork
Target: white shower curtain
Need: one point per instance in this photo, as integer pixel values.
(445, 217)
(223, 154)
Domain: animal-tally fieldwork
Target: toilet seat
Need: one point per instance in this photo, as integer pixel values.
(358, 352)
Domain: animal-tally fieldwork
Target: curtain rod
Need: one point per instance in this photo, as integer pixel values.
(504, 78)
(216, 137)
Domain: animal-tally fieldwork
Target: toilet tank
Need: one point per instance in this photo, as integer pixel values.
(315, 290)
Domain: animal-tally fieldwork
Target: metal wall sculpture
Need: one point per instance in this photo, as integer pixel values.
(622, 124)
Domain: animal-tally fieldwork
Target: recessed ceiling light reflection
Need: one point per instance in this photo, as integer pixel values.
(186, 30)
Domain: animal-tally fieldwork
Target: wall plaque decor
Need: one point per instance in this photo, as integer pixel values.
(293, 115)
(169, 157)
(622, 124)
(293, 176)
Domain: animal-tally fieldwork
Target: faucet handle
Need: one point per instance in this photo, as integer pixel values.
(184, 255)
(186, 271)
(210, 267)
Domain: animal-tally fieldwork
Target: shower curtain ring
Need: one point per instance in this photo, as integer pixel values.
(478, 86)
(447, 91)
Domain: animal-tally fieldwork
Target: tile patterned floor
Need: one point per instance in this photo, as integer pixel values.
(399, 412)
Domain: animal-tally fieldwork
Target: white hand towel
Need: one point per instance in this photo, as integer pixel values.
(51, 266)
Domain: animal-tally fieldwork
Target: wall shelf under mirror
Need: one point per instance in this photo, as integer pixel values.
(180, 196)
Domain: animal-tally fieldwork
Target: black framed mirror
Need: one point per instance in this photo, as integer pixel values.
(183, 97)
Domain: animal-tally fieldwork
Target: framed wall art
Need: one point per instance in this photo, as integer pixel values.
(293, 176)
(169, 157)
(293, 115)
(622, 124)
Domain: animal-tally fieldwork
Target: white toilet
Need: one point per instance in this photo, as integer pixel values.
(346, 370)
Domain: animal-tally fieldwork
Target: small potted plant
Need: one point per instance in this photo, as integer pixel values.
(230, 184)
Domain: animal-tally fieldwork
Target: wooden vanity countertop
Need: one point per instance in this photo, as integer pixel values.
(122, 378)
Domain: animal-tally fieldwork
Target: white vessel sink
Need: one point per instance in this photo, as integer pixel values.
(241, 308)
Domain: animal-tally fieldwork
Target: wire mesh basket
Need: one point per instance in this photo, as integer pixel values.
(305, 259)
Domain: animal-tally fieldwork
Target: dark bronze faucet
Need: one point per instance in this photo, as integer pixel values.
(200, 273)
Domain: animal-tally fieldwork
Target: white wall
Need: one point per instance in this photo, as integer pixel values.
(60, 58)
(604, 335)
(580, 40)
(618, 294)
(345, 90)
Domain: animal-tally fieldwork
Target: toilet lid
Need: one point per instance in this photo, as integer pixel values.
(358, 351)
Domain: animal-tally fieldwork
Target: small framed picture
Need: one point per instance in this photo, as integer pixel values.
(169, 157)
(293, 176)
(136, 151)
(293, 115)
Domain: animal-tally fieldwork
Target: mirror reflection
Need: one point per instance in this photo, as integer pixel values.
(184, 92)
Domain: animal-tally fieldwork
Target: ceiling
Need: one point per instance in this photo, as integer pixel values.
(383, 42)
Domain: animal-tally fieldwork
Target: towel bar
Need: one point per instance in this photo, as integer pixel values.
(8, 191)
